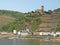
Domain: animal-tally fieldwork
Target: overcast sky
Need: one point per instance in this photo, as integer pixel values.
(28, 5)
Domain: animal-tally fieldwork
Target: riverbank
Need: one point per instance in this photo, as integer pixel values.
(53, 40)
(29, 37)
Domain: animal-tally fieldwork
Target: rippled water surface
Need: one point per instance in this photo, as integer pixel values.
(27, 42)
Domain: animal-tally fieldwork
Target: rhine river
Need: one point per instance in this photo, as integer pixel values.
(27, 42)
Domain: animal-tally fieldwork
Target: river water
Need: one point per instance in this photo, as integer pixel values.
(27, 42)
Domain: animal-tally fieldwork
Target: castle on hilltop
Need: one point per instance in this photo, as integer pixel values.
(41, 11)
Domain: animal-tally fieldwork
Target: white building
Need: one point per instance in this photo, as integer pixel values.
(19, 32)
(27, 30)
(44, 33)
(24, 32)
(57, 33)
(14, 32)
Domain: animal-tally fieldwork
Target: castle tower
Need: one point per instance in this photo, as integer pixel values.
(42, 10)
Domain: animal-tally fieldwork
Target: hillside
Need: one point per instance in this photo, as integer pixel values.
(10, 20)
(7, 17)
(6, 20)
(50, 21)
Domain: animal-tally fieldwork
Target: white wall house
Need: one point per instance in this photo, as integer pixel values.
(57, 33)
(24, 32)
(14, 32)
(18, 32)
(52, 34)
(44, 33)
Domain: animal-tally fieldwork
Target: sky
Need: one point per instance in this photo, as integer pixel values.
(28, 5)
